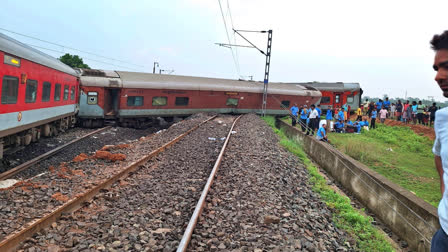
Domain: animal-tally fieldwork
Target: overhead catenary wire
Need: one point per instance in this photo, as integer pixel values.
(53, 50)
(357, 175)
(68, 47)
(228, 38)
(234, 37)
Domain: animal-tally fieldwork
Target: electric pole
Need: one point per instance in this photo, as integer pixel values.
(154, 67)
(268, 61)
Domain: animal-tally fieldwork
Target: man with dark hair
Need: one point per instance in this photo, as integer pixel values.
(313, 118)
(432, 113)
(294, 110)
(439, 44)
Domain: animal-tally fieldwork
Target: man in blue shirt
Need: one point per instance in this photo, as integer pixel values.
(379, 105)
(329, 117)
(319, 111)
(339, 126)
(321, 134)
(294, 109)
(341, 116)
(440, 45)
(303, 117)
(386, 104)
(372, 121)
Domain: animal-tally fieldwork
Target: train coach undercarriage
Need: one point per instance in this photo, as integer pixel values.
(33, 134)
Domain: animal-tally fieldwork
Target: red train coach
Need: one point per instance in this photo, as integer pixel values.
(134, 98)
(38, 94)
(336, 94)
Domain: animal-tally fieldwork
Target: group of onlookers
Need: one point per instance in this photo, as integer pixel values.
(406, 112)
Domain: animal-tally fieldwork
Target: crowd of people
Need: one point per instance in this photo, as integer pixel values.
(406, 112)
(309, 120)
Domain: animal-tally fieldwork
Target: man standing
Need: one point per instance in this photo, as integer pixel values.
(379, 105)
(372, 121)
(294, 109)
(341, 116)
(399, 109)
(359, 114)
(420, 110)
(303, 117)
(432, 116)
(319, 111)
(329, 117)
(313, 118)
(439, 44)
(386, 104)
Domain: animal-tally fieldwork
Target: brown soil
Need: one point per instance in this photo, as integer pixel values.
(81, 157)
(109, 156)
(418, 129)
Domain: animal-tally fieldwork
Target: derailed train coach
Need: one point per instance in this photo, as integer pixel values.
(38, 94)
(336, 94)
(133, 98)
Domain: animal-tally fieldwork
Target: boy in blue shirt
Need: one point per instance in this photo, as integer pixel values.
(339, 127)
(329, 116)
(319, 111)
(372, 121)
(386, 104)
(303, 117)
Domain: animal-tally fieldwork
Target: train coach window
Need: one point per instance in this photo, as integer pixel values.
(135, 101)
(350, 99)
(182, 101)
(57, 92)
(159, 101)
(31, 91)
(325, 99)
(66, 88)
(10, 90)
(92, 98)
(285, 104)
(46, 91)
(72, 93)
(232, 102)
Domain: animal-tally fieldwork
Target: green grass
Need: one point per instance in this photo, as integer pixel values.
(398, 154)
(359, 226)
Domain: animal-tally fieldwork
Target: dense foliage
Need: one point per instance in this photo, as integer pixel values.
(73, 61)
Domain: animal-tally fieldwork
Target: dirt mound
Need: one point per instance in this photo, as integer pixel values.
(418, 129)
(81, 157)
(105, 155)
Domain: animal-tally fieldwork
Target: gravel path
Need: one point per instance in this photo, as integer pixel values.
(262, 201)
(148, 210)
(23, 203)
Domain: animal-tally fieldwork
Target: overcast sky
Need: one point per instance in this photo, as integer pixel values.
(383, 45)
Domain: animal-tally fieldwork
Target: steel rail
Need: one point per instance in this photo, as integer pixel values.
(183, 245)
(9, 173)
(12, 242)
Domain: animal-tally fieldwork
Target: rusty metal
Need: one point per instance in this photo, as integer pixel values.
(13, 241)
(9, 173)
(200, 205)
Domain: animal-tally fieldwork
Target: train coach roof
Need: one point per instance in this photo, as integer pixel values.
(16, 48)
(156, 81)
(332, 86)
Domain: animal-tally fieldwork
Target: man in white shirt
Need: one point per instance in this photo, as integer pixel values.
(439, 44)
(313, 118)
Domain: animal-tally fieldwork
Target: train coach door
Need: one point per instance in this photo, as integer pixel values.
(111, 102)
(337, 100)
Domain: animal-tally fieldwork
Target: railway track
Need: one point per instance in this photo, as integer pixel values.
(14, 171)
(12, 241)
(153, 202)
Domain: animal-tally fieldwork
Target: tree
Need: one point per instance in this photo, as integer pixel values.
(73, 61)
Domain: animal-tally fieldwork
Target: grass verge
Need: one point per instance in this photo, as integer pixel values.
(357, 225)
(397, 153)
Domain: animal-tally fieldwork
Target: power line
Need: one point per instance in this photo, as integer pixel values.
(71, 48)
(48, 49)
(234, 37)
(228, 38)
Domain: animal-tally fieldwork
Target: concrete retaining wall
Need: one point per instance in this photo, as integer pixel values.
(413, 220)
